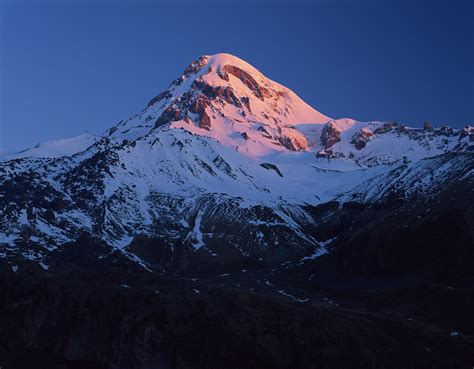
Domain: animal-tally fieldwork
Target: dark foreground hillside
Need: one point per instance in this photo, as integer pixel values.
(76, 322)
(386, 296)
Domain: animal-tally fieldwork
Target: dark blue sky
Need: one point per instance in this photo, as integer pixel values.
(79, 67)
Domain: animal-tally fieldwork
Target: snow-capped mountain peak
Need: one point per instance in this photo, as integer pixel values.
(240, 84)
(224, 97)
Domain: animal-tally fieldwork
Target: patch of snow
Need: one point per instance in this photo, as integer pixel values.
(196, 234)
(291, 296)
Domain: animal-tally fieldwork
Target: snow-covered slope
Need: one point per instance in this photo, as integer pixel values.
(222, 161)
(373, 143)
(56, 148)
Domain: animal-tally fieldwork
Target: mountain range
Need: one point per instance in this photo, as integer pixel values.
(324, 241)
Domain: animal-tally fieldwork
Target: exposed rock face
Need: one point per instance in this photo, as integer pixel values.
(224, 166)
(387, 127)
(330, 135)
(166, 94)
(402, 129)
(293, 142)
(264, 132)
(196, 102)
(444, 131)
(171, 114)
(199, 107)
(359, 140)
(273, 167)
(468, 131)
(327, 154)
(246, 101)
(216, 92)
(205, 121)
(191, 69)
(246, 79)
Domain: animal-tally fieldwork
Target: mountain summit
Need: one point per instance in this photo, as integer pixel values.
(223, 97)
(229, 80)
